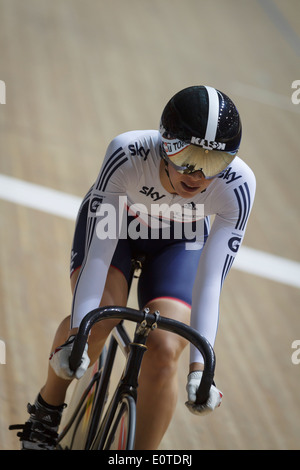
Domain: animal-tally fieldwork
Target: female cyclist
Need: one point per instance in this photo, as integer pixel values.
(154, 196)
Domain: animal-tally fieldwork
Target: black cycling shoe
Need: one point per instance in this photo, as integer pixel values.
(40, 431)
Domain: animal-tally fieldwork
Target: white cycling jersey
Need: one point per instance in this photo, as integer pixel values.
(129, 182)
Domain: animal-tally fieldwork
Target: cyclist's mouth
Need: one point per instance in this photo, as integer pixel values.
(189, 188)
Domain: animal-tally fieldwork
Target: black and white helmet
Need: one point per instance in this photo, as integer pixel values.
(201, 130)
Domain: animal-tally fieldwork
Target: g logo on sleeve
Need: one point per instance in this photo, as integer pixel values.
(234, 243)
(95, 203)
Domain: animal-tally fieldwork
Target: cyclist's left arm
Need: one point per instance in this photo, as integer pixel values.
(216, 260)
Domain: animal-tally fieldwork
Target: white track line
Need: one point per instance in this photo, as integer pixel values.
(268, 266)
(268, 97)
(64, 205)
(38, 197)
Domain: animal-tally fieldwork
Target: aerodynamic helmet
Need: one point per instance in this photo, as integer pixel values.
(201, 131)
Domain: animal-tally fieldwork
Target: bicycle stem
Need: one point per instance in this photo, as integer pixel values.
(136, 352)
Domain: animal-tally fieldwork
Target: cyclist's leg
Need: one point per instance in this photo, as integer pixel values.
(165, 285)
(158, 382)
(40, 430)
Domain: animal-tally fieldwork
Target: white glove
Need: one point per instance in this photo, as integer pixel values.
(59, 361)
(213, 401)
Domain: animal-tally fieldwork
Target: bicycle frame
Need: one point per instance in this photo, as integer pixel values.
(134, 351)
(127, 386)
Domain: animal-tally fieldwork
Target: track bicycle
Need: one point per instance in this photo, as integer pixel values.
(94, 422)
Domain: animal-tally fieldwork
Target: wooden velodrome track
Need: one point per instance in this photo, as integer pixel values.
(79, 72)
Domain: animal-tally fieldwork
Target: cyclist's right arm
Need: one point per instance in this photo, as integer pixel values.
(102, 231)
(99, 251)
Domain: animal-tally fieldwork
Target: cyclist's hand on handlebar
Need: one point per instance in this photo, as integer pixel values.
(59, 361)
(214, 399)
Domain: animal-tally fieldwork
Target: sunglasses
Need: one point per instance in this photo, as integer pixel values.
(192, 159)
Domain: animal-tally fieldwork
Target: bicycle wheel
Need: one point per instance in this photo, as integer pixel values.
(120, 434)
(77, 420)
